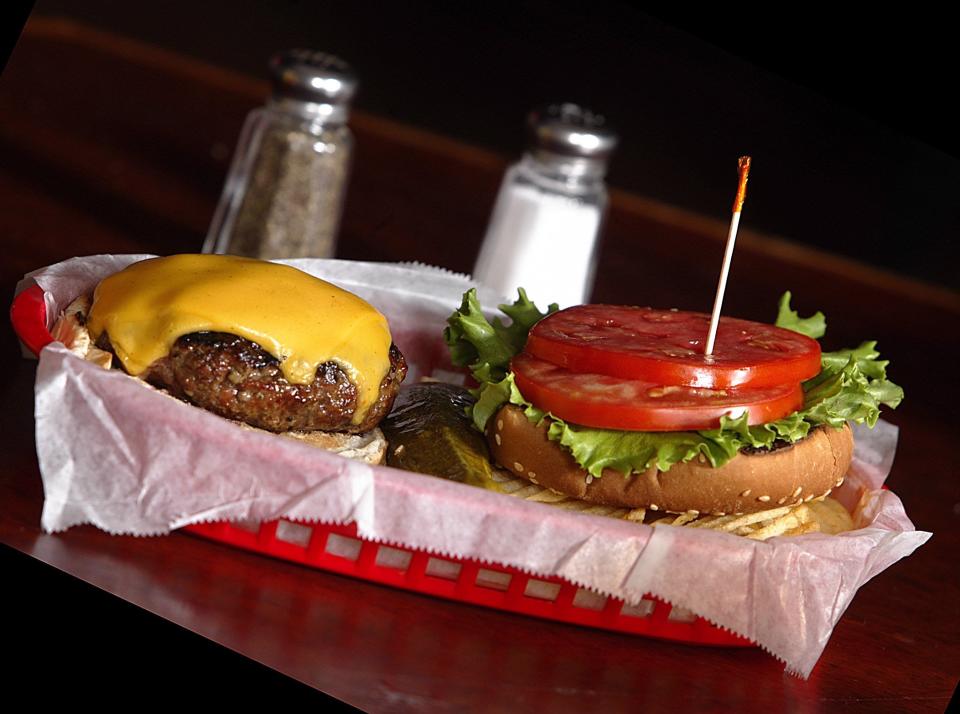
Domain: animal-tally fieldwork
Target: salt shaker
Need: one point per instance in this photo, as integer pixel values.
(543, 234)
(284, 193)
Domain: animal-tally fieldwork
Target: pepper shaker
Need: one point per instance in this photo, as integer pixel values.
(543, 233)
(284, 192)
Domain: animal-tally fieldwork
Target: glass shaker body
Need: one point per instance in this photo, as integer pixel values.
(543, 234)
(284, 194)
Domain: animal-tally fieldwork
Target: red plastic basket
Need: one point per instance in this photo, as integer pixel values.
(338, 549)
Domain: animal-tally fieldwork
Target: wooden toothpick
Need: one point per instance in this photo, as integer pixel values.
(743, 165)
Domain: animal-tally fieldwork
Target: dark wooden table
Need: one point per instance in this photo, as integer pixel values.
(112, 146)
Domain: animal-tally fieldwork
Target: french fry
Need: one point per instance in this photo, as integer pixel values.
(824, 515)
(832, 516)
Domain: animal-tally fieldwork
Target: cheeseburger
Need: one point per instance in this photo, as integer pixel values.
(618, 406)
(260, 343)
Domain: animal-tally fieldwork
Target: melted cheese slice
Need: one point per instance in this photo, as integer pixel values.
(299, 319)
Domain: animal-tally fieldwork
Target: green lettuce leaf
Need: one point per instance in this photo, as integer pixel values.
(851, 386)
(814, 326)
(487, 347)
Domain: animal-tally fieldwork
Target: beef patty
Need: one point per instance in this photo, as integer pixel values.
(237, 379)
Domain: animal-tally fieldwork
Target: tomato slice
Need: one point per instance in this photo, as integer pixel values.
(606, 402)
(666, 347)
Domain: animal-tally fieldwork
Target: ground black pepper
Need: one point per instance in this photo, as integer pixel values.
(292, 204)
(284, 193)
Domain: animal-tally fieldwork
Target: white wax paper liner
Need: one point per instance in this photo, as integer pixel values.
(130, 459)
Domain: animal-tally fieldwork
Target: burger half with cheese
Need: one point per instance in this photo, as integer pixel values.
(618, 405)
(264, 344)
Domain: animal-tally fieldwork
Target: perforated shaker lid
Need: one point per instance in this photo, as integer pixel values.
(310, 76)
(571, 130)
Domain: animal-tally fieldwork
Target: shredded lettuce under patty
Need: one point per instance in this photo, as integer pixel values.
(851, 386)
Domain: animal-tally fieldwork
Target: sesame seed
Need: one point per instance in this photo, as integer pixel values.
(589, 479)
(654, 507)
(532, 474)
(499, 424)
(745, 493)
(703, 459)
(798, 491)
(827, 492)
(498, 439)
(839, 482)
(782, 501)
(809, 497)
(399, 450)
(763, 498)
(719, 513)
(518, 467)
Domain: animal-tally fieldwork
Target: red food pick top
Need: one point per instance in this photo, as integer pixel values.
(666, 347)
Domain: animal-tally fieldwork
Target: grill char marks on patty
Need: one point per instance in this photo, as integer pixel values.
(237, 379)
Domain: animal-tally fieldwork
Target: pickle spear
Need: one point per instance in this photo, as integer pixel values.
(429, 432)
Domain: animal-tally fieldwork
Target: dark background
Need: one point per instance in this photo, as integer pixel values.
(848, 115)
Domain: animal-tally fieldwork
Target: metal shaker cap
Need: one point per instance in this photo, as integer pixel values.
(310, 76)
(571, 130)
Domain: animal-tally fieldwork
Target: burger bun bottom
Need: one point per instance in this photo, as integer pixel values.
(369, 446)
(748, 483)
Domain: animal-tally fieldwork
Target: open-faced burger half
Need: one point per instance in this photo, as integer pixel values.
(618, 405)
(261, 343)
